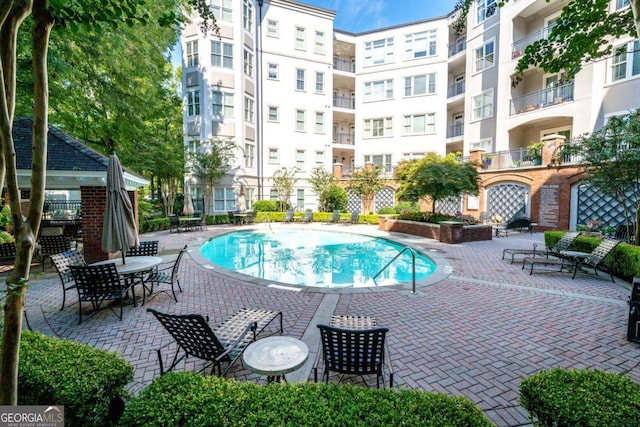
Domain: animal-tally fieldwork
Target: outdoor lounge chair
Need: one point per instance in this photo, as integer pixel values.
(223, 344)
(335, 216)
(308, 216)
(288, 216)
(62, 262)
(355, 217)
(563, 244)
(165, 274)
(353, 345)
(573, 261)
(174, 224)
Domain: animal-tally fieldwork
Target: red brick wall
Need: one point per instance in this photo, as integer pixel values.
(435, 231)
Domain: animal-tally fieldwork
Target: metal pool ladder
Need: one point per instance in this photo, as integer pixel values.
(413, 266)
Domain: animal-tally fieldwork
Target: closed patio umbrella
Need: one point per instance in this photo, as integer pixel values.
(188, 205)
(119, 231)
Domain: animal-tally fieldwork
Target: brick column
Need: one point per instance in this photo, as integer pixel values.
(337, 170)
(551, 143)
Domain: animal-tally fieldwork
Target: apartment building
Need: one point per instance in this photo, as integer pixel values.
(289, 90)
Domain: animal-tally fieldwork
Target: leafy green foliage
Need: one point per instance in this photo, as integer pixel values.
(581, 398)
(82, 378)
(320, 180)
(6, 237)
(284, 180)
(190, 399)
(334, 198)
(267, 206)
(5, 217)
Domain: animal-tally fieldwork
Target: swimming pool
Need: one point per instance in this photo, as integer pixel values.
(315, 258)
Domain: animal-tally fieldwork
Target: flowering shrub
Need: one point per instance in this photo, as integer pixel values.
(591, 225)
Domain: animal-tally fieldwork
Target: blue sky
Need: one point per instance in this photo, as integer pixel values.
(363, 15)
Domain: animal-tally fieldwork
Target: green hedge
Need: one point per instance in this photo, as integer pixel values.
(624, 261)
(190, 399)
(581, 398)
(62, 372)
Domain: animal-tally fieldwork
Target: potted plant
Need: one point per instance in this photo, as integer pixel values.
(486, 160)
(535, 151)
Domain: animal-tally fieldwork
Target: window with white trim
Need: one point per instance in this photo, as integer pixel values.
(248, 63)
(319, 82)
(485, 9)
(222, 105)
(412, 156)
(621, 4)
(274, 155)
(300, 198)
(319, 158)
(224, 199)
(483, 144)
(420, 85)
(300, 39)
(378, 52)
(299, 79)
(378, 90)
(419, 124)
(273, 72)
(482, 105)
(420, 45)
(625, 62)
(273, 194)
(300, 120)
(192, 53)
(248, 109)
(193, 103)
(319, 127)
(249, 155)
(300, 157)
(319, 42)
(274, 114)
(247, 15)
(383, 161)
(222, 9)
(484, 57)
(272, 28)
(378, 127)
(221, 54)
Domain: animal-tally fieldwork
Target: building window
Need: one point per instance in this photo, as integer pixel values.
(621, 4)
(378, 90)
(484, 57)
(247, 15)
(485, 9)
(319, 42)
(273, 72)
(273, 194)
(378, 52)
(193, 103)
(376, 128)
(299, 79)
(420, 85)
(420, 45)
(412, 156)
(222, 105)
(249, 155)
(482, 105)
(272, 28)
(192, 53)
(300, 198)
(383, 161)
(419, 124)
(248, 63)
(319, 128)
(300, 155)
(319, 158)
(300, 120)
(300, 42)
(319, 82)
(222, 9)
(221, 54)
(274, 155)
(248, 109)
(626, 61)
(224, 199)
(274, 114)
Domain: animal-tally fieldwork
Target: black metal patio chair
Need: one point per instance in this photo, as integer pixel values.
(62, 262)
(50, 245)
(148, 248)
(165, 274)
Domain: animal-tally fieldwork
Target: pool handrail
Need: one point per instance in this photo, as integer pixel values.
(413, 266)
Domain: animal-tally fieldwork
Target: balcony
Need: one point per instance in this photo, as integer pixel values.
(455, 130)
(515, 158)
(344, 65)
(518, 47)
(542, 99)
(344, 138)
(456, 89)
(457, 48)
(344, 102)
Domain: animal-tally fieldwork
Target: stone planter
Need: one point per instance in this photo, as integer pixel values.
(447, 232)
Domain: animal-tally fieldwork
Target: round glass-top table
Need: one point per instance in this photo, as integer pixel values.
(275, 356)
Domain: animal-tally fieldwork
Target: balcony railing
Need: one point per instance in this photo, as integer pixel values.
(542, 99)
(460, 46)
(518, 47)
(344, 138)
(344, 102)
(455, 130)
(456, 89)
(515, 158)
(344, 65)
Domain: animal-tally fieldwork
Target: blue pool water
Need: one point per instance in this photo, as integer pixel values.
(315, 258)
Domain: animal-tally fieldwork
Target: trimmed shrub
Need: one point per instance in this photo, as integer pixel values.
(334, 198)
(150, 225)
(62, 372)
(6, 237)
(387, 210)
(190, 399)
(581, 398)
(269, 206)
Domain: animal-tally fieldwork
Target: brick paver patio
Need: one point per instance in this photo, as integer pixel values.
(476, 333)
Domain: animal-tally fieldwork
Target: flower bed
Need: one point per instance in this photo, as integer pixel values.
(446, 232)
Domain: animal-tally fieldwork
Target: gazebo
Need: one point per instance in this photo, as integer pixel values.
(71, 165)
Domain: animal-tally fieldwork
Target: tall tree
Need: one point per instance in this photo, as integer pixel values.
(321, 181)
(436, 177)
(210, 164)
(68, 16)
(283, 181)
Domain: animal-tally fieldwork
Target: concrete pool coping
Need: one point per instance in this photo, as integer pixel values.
(442, 270)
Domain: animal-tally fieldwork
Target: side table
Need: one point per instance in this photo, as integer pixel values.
(275, 356)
